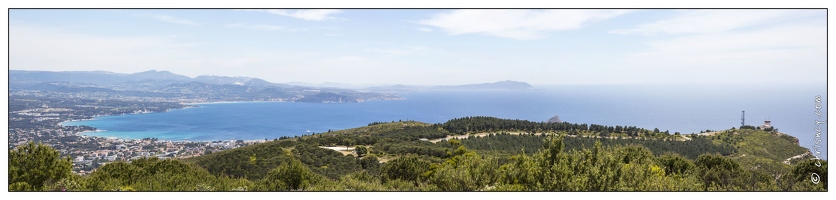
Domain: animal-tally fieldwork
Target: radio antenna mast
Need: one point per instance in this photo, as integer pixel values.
(742, 118)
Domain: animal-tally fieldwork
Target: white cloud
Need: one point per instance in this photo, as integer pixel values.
(516, 24)
(38, 48)
(50, 49)
(175, 20)
(306, 14)
(733, 38)
(785, 37)
(714, 21)
(798, 42)
(262, 27)
(389, 51)
(412, 50)
(788, 53)
(352, 58)
(422, 29)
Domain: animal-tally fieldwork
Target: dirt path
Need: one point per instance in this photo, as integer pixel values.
(475, 135)
(384, 159)
(350, 151)
(518, 133)
(787, 161)
(710, 133)
(743, 155)
(342, 149)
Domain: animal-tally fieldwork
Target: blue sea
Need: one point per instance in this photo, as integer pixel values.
(684, 109)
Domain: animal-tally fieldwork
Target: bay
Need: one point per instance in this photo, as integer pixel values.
(685, 109)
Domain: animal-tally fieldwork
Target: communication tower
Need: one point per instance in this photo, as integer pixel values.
(742, 118)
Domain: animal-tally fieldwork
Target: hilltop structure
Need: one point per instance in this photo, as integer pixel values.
(766, 124)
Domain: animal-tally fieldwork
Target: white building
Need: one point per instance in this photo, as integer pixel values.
(110, 158)
(766, 124)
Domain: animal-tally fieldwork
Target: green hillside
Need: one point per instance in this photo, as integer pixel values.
(773, 146)
(400, 157)
(765, 150)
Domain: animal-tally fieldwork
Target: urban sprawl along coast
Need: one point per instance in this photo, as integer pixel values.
(36, 116)
(40, 101)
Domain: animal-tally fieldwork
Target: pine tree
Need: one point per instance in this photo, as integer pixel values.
(35, 164)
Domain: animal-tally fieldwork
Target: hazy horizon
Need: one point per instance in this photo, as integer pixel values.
(764, 86)
(433, 46)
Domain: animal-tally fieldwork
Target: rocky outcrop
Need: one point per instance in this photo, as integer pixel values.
(555, 119)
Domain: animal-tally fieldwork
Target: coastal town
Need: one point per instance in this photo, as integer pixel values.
(37, 117)
(114, 149)
(40, 102)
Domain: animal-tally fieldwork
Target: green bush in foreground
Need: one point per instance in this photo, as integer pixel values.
(33, 165)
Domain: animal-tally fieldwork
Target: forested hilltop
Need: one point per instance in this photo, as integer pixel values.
(464, 154)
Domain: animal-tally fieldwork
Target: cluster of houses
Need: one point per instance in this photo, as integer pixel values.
(223, 144)
(137, 152)
(133, 150)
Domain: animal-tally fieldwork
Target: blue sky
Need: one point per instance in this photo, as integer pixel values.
(432, 47)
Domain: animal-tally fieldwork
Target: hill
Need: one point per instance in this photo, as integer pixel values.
(538, 156)
(764, 151)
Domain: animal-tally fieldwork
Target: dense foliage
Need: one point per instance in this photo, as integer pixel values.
(250, 162)
(488, 124)
(529, 143)
(760, 143)
(362, 137)
(35, 164)
(326, 162)
(492, 124)
(393, 158)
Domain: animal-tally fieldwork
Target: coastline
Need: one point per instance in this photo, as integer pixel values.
(94, 117)
(187, 106)
(228, 102)
(74, 120)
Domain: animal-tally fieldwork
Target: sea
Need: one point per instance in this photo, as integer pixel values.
(675, 108)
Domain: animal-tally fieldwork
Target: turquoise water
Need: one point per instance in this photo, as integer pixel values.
(677, 109)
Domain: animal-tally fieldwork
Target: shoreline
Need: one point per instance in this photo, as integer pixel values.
(94, 117)
(185, 140)
(228, 102)
(188, 105)
(86, 134)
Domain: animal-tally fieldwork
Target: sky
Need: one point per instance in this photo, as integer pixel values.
(365, 47)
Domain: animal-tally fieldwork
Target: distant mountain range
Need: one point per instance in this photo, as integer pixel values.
(111, 78)
(173, 86)
(92, 77)
(324, 85)
(218, 88)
